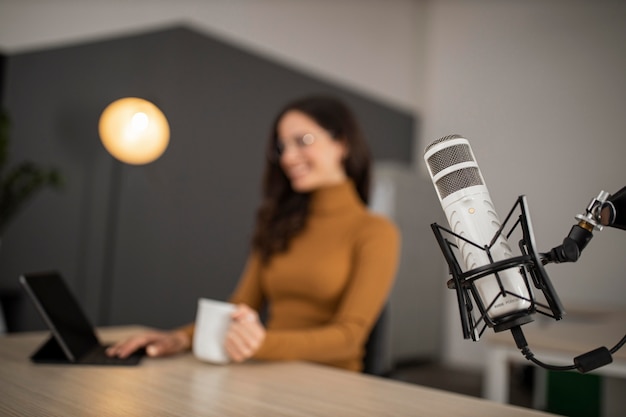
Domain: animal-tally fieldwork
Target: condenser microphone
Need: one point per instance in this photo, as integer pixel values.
(471, 215)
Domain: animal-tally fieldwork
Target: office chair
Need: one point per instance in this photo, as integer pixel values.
(376, 359)
(3, 326)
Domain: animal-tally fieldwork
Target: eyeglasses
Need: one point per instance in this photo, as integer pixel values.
(299, 142)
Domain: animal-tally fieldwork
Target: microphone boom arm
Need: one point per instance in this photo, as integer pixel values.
(580, 234)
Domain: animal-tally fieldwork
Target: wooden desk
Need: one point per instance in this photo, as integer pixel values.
(184, 386)
(555, 343)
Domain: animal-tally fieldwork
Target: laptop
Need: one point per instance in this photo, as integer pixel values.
(73, 339)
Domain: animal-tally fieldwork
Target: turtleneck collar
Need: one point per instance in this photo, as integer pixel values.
(335, 198)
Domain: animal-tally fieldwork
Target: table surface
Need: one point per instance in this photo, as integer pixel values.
(184, 386)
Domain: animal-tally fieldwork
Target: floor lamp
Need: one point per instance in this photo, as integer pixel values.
(136, 132)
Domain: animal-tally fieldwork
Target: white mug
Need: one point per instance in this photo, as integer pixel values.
(212, 321)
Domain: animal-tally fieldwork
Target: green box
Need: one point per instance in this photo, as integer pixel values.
(573, 394)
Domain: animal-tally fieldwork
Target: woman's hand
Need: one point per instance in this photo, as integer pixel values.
(245, 334)
(156, 343)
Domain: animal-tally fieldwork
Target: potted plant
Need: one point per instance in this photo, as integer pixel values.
(18, 184)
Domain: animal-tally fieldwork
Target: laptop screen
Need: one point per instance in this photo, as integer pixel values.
(61, 312)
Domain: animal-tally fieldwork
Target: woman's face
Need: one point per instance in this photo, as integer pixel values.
(309, 156)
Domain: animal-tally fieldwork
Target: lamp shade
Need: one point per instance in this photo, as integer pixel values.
(134, 130)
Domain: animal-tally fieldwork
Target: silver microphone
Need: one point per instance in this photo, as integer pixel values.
(472, 215)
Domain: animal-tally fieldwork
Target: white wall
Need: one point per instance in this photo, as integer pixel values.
(536, 86)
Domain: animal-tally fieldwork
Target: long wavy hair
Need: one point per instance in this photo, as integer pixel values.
(283, 212)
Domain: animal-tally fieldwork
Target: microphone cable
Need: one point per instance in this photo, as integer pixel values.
(584, 363)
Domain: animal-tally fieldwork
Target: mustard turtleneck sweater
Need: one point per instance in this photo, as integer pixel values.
(325, 292)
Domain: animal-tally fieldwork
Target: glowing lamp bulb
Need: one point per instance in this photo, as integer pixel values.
(134, 130)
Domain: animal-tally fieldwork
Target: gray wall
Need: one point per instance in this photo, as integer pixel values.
(140, 244)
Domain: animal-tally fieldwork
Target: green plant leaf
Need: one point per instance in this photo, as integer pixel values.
(21, 183)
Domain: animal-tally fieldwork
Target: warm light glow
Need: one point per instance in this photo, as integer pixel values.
(134, 130)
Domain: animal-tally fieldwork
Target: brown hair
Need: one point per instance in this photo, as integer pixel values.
(283, 212)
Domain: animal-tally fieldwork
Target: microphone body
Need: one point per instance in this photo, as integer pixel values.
(471, 214)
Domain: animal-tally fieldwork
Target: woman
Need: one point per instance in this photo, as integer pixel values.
(320, 262)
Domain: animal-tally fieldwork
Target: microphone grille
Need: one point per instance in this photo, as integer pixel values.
(448, 156)
(458, 180)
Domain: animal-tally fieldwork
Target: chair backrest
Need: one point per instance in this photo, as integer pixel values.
(3, 326)
(377, 359)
